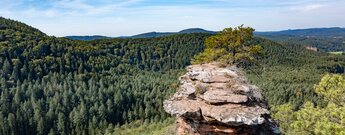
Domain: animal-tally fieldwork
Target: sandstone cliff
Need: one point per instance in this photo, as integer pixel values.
(218, 100)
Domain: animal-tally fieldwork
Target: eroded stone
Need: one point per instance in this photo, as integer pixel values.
(218, 100)
(223, 97)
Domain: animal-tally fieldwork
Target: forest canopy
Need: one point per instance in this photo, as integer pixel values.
(311, 119)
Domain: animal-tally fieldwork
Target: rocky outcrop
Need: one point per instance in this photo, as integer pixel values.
(218, 100)
(310, 48)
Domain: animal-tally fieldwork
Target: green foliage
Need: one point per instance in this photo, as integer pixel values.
(316, 120)
(231, 46)
(166, 127)
(283, 115)
(326, 44)
(54, 85)
(332, 88)
(286, 73)
(337, 53)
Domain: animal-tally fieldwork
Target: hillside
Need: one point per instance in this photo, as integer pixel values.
(15, 26)
(55, 85)
(160, 34)
(16, 33)
(62, 86)
(326, 39)
(143, 35)
(195, 30)
(285, 73)
(152, 34)
(312, 32)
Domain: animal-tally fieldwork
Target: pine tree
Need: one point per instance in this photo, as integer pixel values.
(12, 123)
(40, 126)
(61, 123)
(231, 46)
(7, 68)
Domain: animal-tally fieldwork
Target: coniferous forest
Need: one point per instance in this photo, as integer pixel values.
(53, 85)
(60, 86)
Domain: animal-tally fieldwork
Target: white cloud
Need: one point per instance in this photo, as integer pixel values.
(129, 17)
(308, 7)
(61, 8)
(82, 8)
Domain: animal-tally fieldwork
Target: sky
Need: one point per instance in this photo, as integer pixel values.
(130, 17)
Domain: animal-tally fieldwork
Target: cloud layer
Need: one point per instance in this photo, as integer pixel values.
(128, 17)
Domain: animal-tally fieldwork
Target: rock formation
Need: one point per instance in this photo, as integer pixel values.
(218, 100)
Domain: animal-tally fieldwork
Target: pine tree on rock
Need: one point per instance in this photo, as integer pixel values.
(231, 46)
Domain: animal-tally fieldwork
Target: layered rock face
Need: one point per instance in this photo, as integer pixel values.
(218, 100)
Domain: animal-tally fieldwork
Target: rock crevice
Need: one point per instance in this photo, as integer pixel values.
(218, 100)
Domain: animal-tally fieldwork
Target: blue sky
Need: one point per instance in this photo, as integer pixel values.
(129, 17)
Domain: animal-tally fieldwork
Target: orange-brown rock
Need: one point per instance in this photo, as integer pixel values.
(188, 127)
(218, 100)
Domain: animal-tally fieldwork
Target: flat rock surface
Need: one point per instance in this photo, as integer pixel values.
(235, 114)
(223, 96)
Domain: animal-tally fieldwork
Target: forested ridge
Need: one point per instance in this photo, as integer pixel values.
(325, 44)
(325, 39)
(60, 86)
(286, 73)
(55, 85)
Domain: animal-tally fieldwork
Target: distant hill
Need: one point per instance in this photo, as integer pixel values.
(87, 38)
(160, 34)
(143, 35)
(152, 34)
(312, 32)
(325, 39)
(196, 30)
